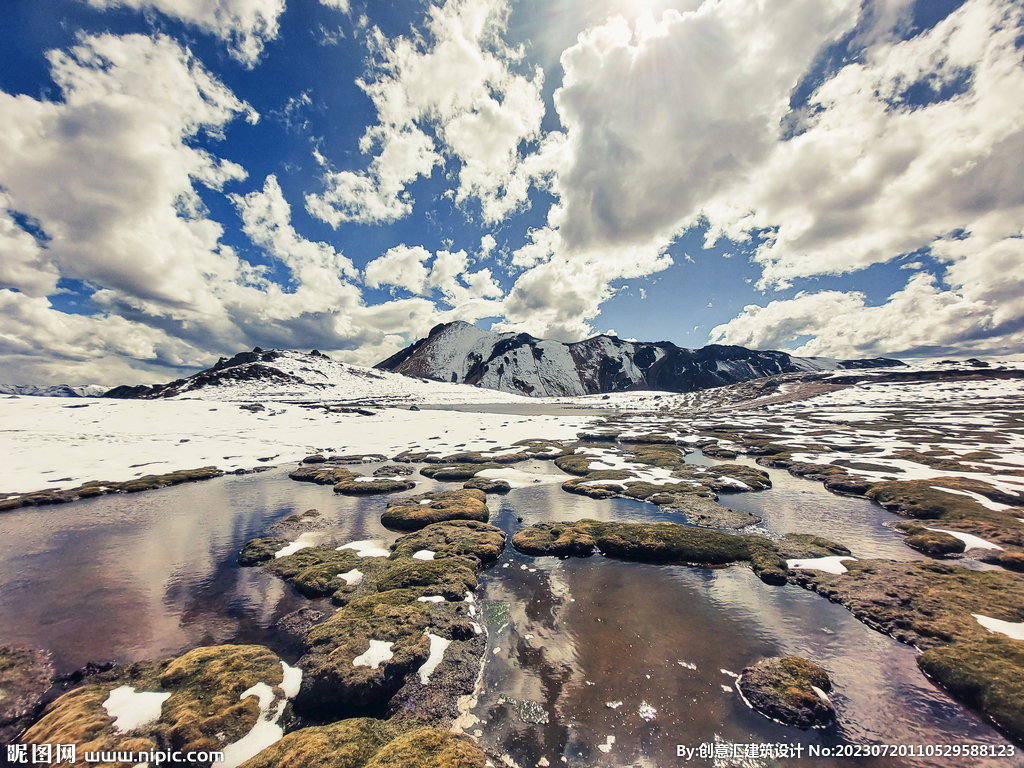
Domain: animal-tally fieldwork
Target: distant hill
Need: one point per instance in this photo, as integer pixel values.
(522, 364)
(59, 390)
(283, 375)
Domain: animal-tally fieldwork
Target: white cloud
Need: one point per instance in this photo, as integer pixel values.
(487, 245)
(665, 115)
(341, 5)
(405, 267)
(246, 25)
(875, 176)
(459, 85)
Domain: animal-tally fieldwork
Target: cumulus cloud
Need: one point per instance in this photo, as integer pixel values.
(452, 94)
(246, 25)
(665, 114)
(405, 267)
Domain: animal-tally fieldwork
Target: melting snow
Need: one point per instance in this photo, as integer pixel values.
(424, 554)
(971, 542)
(607, 746)
(305, 540)
(833, 564)
(352, 578)
(132, 710)
(367, 548)
(1010, 629)
(378, 652)
(430, 599)
(986, 502)
(438, 645)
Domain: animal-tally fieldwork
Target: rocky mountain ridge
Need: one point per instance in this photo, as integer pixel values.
(461, 353)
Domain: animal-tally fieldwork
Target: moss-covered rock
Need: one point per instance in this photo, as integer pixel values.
(451, 577)
(349, 743)
(317, 571)
(322, 474)
(933, 543)
(260, 550)
(415, 512)
(445, 472)
(930, 605)
(356, 487)
(783, 690)
(656, 542)
(486, 485)
(429, 748)
(458, 538)
(799, 546)
(204, 711)
(25, 676)
(394, 470)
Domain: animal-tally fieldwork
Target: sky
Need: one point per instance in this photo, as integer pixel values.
(184, 179)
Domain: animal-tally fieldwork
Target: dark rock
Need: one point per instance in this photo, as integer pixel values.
(316, 458)
(781, 689)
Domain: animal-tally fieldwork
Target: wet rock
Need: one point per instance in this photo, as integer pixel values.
(293, 526)
(203, 709)
(455, 471)
(294, 626)
(316, 458)
(706, 512)
(392, 470)
(415, 512)
(322, 474)
(25, 677)
(848, 485)
(800, 546)
(356, 487)
(783, 689)
(476, 457)
(487, 486)
(260, 550)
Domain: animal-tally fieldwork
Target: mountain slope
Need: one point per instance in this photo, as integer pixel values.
(59, 390)
(519, 363)
(290, 376)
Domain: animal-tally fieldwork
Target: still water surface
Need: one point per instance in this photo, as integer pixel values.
(142, 576)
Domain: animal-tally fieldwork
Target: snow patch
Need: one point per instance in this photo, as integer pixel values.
(438, 645)
(1008, 628)
(305, 540)
(832, 564)
(424, 554)
(367, 548)
(971, 542)
(131, 709)
(378, 652)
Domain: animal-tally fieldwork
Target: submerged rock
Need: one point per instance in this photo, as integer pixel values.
(708, 513)
(784, 690)
(25, 676)
(486, 485)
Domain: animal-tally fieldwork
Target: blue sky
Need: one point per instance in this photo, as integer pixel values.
(182, 179)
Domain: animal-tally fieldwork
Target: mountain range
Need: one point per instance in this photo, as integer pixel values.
(460, 353)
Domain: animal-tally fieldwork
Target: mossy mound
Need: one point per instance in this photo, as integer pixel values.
(576, 463)
(486, 485)
(102, 487)
(413, 457)
(294, 526)
(539, 448)
(920, 499)
(933, 543)
(476, 457)
(415, 512)
(430, 748)
(204, 711)
(655, 542)
(451, 577)
(798, 546)
(260, 550)
(356, 487)
(322, 474)
(848, 485)
(455, 471)
(393, 470)
(930, 605)
(315, 458)
(781, 688)
(348, 743)
(25, 676)
(316, 571)
(331, 680)
(458, 538)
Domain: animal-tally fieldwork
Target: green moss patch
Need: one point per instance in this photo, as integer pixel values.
(781, 688)
(410, 514)
(657, 542)
(933, 543)
(455, 471)
(322, 474)
(458, 538)
(356, 487)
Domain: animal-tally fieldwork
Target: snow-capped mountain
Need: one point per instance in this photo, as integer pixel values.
(281, 375)
(519, 363)
(59, 390)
